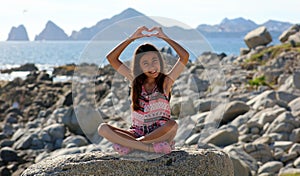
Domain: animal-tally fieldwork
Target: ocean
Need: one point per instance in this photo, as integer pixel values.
(48, 54)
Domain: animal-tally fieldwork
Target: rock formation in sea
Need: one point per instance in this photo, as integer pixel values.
(18, 34)
(52, 32)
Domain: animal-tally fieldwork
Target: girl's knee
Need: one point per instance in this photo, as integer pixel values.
(172, 124)
(102, 129)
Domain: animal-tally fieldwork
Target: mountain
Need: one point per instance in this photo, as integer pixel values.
(88, 33)
(18, 34)
(278, 26)
(239, 25)
(52, 32)
(122, 25)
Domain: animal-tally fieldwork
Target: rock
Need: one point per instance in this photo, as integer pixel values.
(18, 34)
(26, 67)
(56, 131)
(285, 96)
(284, 123)
(24, 142)
(293, 39)
(88, 120)
(223, 137)
(199, 162)
(271, 167)
(4, 171)
(193, 139)
(196, 84)
(264, 100)
(295, 148)
(261, 152)
(244, 51)
(284, 145)
(246, 161)
(286, 157)
(8, 154)
(77, 140)
(52, 32)
(295, 135)
(67, 70)
(70, 120)
(234, 109)
(267, 115)
(270, 98)
(296, 79)
(43, 76)
(182, 106)
(240, 168)
(286, 34)
(259, 36)
(297, 162)
(289, 172)
(208, 60)
(205, 105)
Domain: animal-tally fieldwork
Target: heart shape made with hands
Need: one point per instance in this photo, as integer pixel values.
(150, 32)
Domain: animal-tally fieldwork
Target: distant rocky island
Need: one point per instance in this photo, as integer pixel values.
(227, 26)
(52, 32)
(18, 34)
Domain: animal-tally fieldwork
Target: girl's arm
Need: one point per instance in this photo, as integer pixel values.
(113, 56)
(183, 59)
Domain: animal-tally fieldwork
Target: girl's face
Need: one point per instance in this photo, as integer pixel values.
(150, 64)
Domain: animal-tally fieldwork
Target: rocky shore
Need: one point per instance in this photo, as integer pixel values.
(247, 106)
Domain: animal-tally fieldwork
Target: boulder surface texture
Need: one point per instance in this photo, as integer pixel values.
(208, 162)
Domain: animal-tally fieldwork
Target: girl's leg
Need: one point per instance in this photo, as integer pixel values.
(166, 132)
(119, 136)
(123, 132)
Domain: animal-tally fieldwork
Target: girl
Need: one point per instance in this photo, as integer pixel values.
(152, 129)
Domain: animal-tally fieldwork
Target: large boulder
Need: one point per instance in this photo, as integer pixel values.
(197, 162)
(257, 37)
(289, 32)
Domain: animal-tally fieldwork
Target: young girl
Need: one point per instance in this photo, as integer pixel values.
(152, 129)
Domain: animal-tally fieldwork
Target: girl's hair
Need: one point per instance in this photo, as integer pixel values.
(140, 77)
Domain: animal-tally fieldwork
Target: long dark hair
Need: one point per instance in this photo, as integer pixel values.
(140, 77)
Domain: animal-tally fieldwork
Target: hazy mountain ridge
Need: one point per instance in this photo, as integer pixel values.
(88, 33)
(235, 27)
(243, 25)
(273, 25)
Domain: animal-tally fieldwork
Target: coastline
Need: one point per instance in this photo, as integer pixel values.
(259, 124)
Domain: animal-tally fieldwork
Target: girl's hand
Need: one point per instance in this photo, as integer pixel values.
(157, 32)
(139, 33)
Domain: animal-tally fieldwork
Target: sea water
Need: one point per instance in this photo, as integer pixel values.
(48, 54)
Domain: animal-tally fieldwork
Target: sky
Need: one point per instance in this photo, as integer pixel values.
(75, 14)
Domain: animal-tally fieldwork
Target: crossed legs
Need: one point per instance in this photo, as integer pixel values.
(166, 132)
